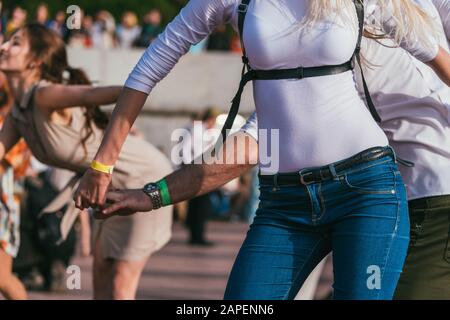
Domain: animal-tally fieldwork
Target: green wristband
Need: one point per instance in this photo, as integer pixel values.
(165, 196)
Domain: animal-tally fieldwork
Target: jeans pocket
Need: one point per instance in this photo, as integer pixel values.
(371, 181)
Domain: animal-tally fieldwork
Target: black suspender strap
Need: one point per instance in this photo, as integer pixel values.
(246, 77)
(296, 73)
(300, 73)
(242, 11)
(360, 11)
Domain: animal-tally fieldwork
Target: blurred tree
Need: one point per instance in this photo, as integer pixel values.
(169, 8)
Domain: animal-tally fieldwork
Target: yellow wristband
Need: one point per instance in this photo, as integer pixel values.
(102, 167)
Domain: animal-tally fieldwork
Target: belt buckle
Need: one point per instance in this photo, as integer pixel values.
(242, 8)
(302, 177)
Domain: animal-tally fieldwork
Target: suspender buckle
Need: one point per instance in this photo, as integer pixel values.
(242, 8)
(300, 74)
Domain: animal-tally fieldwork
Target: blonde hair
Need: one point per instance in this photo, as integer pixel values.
(410, 20)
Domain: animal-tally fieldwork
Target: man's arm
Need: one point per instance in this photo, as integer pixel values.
(238, 155)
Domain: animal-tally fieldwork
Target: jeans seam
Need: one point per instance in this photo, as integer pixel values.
(299, 271)
(322, 202)
(312, 205)
(394, 233)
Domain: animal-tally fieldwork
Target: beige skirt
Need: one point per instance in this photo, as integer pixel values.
(135, 237)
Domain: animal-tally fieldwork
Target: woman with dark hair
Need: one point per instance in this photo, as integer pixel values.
(56, 112)
(13, 166)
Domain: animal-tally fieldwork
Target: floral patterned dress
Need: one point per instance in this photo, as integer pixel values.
(14, 167)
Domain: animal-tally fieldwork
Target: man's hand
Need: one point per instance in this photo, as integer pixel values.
(124, 203)
(92, 189)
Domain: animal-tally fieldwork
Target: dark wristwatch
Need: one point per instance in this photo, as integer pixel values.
(152, 190)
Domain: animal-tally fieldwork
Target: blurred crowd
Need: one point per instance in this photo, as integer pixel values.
(102, 31)
(27, 186)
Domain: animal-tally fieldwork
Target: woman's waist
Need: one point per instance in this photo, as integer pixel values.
(371, 157)
(292, 154)
(292, 147)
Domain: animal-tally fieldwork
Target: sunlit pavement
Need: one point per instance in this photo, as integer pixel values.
(179, 271)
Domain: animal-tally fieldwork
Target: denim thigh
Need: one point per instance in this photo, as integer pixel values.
(280, 250)
(369, 230)
(361, 215)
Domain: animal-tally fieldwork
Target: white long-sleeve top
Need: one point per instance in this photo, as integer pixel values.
(320, 120)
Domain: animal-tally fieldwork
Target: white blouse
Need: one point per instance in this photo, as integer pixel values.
(320, 120)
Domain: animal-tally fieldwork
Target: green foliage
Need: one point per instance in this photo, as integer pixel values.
(169, 8)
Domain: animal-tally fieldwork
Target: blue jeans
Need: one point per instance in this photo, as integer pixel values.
(361, 215)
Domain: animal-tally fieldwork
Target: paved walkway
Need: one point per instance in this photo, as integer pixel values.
(179, 271)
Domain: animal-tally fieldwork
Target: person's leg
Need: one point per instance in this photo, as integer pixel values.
(102, 274)
(370, 242)
(115, 279)
(426, 274)
(308, 289)
(10, 286)
(274, 261)
(199, 209)
(125, 281)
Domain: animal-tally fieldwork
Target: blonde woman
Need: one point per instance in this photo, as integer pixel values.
(336, 185)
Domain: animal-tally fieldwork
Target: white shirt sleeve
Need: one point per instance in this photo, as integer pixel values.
(443, 7)
(194, 23)
(383, 17)
(251, 126)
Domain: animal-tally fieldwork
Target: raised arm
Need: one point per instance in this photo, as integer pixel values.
(193, 24)
(192, 180)
(58, 96)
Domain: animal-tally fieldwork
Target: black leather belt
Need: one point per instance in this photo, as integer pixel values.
(308, 176)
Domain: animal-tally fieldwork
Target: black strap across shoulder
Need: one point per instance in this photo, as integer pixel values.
(248, 74)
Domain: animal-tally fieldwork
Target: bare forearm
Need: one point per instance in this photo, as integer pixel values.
(197, 179)
(125, 113)
(194, 180)
(103, 95)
